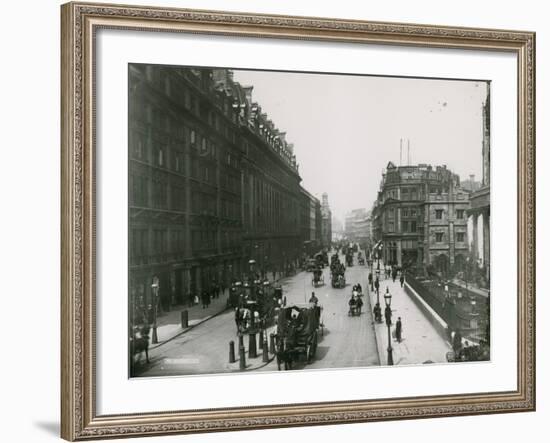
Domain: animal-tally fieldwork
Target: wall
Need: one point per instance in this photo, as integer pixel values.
(29, 179)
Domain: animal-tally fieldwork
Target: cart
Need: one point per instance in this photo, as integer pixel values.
(296, 335)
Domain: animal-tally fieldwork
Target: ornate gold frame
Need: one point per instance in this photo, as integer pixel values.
(79, 420)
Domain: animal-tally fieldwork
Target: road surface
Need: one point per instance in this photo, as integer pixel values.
(345, 341)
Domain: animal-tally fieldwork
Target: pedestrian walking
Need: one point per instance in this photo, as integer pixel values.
(398, 329)
(370, 281)
(214, 290)
(402, 279)
(457, 343)
(205, 299)
(377, 313)
(377, 284)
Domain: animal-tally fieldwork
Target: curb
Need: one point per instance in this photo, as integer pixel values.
(188, 329)
(379, 347)
(263, 365)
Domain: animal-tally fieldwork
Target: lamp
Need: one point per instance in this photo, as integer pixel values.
(155, 288)
(387, 300)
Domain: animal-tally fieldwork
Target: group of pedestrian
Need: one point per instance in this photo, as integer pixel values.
(377, 310)
(215, 291)
(205, 299)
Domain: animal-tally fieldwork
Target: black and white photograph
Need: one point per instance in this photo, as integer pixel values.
(303, 220)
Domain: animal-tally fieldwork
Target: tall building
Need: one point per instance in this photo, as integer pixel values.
(212, 183)
(480, 210)
(358, 227)
(326, 223)
(310, 222)
(337, 229)
(419, 218)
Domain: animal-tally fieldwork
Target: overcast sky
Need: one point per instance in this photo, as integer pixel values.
(345, 129)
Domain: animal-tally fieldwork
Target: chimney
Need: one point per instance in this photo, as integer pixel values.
(248, 93)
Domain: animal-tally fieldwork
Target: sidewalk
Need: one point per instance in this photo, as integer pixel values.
(169, 323)
(421, 343)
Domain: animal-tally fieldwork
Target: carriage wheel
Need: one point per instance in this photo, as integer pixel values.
(288, 363)
(309, 355)
(314, 347)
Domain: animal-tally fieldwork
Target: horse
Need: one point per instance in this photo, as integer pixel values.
(140, 342)
(285, 353)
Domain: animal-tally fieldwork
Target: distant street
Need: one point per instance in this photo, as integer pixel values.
(344, 341)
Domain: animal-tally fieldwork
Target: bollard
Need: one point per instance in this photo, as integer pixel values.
(272, 343)
(184, 319)
(265, 355)
(241, 341)
(242, 360)
(261, 340)
(252, 346)
(232, 352)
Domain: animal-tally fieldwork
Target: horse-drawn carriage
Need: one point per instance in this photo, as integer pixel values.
(318, 279)
(338, 280)
(296, 334)
(321, 259)
(235, 294)
(256, 306)
(355, 304)
(310, 264)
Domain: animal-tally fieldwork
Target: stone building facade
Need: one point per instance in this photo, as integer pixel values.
(326, 222)
(480, 200)
(358, 227)
(212, 183)
(310, 222)
(419, 218)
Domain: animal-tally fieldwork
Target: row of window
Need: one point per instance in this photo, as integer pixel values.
(459, 237)
(203, 239)
(165, 196)
(164, 80)
(271, 210)
(459, 214)
(406, 212)
(200, 168)
(411, 227)
(412, 212)
(142, 244)
(164, 241)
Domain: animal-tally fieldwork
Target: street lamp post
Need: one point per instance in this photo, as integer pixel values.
(252, 270)
(155, 288)
(387, 299)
